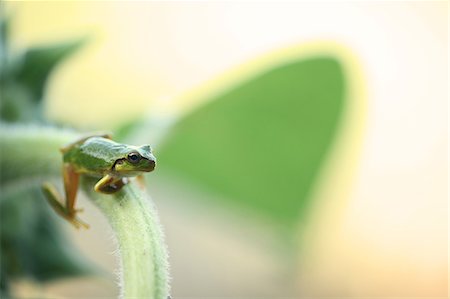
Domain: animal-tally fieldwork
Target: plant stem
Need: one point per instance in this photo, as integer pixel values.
(32, 151)
(142, 251)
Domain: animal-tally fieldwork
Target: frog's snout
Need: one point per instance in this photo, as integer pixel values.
(151, 164)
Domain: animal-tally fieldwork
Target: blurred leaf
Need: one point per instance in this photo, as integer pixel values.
(23, 78)
(262, 144)
(37, 64)
(4, 33)
(32, 244)
(16, 104)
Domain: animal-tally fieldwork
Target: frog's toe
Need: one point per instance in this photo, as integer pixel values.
(77, 222)
(74, 223)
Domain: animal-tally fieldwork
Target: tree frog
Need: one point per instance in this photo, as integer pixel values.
(97, 156)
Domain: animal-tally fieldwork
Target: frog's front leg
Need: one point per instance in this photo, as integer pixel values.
(54, 198)
(110, 184)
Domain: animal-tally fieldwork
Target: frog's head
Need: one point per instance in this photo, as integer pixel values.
(136, 160)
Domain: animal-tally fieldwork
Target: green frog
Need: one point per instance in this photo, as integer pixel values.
(101, 157)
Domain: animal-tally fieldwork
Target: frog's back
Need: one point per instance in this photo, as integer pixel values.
(96, 155)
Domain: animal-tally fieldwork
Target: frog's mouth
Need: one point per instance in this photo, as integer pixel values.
(121, 166)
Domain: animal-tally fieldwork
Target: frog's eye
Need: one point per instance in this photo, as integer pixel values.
(134, 157)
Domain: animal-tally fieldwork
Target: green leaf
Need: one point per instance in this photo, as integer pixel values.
(261, 144)
(23, 78)
(17, 104)
(4, 34)
(37, 64)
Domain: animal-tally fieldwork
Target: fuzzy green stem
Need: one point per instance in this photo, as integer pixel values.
(143, 256)
(30, 151)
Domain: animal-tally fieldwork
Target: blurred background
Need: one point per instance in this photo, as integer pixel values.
(302, 146)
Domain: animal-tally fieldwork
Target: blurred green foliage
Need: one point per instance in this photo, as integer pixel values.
(23, 77)
(261, 145)
(32, 244)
